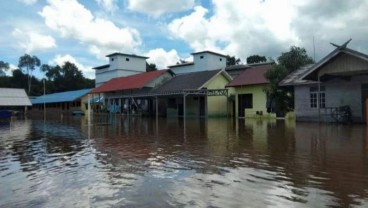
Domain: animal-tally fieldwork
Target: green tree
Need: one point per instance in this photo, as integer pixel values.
(295, 58)
(29, 63)
(65, 78)
(150, 67)
(232, 60)
(255, 59)
(283, 97)
(4, 66)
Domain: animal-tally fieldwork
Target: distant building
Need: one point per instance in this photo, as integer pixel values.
(120, 65)
(14, 99)
(202, 61)
(62, 102)
(129, 94)
(323, 90)
(249, 95)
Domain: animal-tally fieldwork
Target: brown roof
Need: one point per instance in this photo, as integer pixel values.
(137, 81)
(251, 76)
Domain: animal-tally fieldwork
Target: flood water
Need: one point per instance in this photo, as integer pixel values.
(138, 162)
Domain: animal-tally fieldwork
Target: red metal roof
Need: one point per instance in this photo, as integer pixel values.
(251, 76)
(137, 81)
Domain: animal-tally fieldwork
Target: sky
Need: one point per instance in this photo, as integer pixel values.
(85, 31)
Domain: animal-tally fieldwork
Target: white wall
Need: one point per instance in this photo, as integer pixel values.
(202, 62)
(127, 63)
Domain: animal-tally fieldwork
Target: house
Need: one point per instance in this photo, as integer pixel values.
(195, 94)
(203, 60)
(120, 65)
(249, 95)
(334, 89)
(61, 102)
(131, 94)
(14, 99)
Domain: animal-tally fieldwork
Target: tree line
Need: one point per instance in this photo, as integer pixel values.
(58, 78)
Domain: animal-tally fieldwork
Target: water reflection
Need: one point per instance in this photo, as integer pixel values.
(141, 162)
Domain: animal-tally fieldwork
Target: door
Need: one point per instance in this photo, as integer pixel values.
(202, 106)
(244, 101)
(364, 98)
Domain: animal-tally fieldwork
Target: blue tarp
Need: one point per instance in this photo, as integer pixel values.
(68, 96)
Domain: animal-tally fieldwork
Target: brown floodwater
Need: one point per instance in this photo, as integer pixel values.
(141, 162)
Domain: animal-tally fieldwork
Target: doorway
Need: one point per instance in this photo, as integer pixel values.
(244, 101)
(364, 98)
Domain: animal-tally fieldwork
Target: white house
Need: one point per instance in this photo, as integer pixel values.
(202, 61)
(120, 65)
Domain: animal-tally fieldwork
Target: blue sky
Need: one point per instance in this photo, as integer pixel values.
(85, 31)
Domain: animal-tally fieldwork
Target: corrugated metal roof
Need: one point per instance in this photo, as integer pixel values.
(294, 78)
(14, 97)
(188, 81)
(137, 81)
(251, 76)
(68, 96)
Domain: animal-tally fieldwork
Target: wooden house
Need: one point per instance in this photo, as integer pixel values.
(333, 89)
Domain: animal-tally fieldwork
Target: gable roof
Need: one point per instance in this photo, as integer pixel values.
(68, 96)
(187, 81)
(125, 54)
(211, 52)
(136, 81)
(14, 97)
(252, 76)
(331, 56)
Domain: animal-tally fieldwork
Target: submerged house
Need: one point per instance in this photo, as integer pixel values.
(130, 94)
(334, 89)
(62, 102)
(14, 99)
(196, 94)
(248, 90)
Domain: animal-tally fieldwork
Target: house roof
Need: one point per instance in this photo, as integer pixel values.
(14, 97)
(136, 81)
(68, 96)
(218, 54)
(251, 76)
(194, 81)
(124, 54)
(101, 67)
(331, 56)
(182, 64)
(294, 77)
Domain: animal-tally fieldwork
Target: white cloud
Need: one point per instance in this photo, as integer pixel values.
(158, 8)
(244, 28)
(12, 67)
(32, 41)
(28, 2)
(61, 59)
(237, 27)
(108, 5)
(73, 20)
(162, 58)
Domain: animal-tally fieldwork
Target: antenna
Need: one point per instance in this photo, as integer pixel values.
(314, 50)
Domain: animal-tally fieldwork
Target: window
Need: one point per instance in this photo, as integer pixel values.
(126, 59)
(220, 59)
(112, 59)
(201, 57)
(314, 97)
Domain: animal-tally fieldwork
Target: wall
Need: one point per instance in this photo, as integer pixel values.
(217, 105)
(259, 100)
(208, 62)
(107, 75)
(133, 63)
(338, 93)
